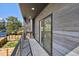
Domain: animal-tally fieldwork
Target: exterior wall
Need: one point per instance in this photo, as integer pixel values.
(51, 8)
(65, 18)
(66, 29)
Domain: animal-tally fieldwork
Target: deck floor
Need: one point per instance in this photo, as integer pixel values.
(37, 50)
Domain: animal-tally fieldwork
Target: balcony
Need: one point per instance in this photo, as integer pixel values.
(49, 29)
(28, 47)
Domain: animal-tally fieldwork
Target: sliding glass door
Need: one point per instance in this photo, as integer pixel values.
(46, 34)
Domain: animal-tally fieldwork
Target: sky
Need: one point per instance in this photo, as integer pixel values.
(10, 9)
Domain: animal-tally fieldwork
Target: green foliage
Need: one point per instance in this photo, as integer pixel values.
(13, 25)
(10, 44)
(2, 26)
(2, 42)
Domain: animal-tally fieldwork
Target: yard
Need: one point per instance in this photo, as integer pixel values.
(10, 44)
(8, 48)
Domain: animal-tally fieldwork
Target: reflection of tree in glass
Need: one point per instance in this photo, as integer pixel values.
(47, 24)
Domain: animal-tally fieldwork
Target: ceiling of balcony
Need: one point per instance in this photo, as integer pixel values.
(31, 9)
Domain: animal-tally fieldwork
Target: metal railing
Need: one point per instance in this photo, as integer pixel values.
(22, 48)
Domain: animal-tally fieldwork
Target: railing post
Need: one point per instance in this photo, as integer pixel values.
(7, 51)
(21, 47)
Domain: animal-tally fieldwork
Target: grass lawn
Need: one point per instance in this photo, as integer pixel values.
(10, 44)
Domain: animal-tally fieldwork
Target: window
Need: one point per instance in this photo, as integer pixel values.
(46, 33)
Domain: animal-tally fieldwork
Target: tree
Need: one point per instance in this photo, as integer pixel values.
(2, 25)
(13, 25)
(17, 25)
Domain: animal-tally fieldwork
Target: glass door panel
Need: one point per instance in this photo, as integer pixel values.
(45, 34)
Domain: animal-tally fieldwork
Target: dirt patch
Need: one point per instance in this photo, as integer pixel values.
(6, 51)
